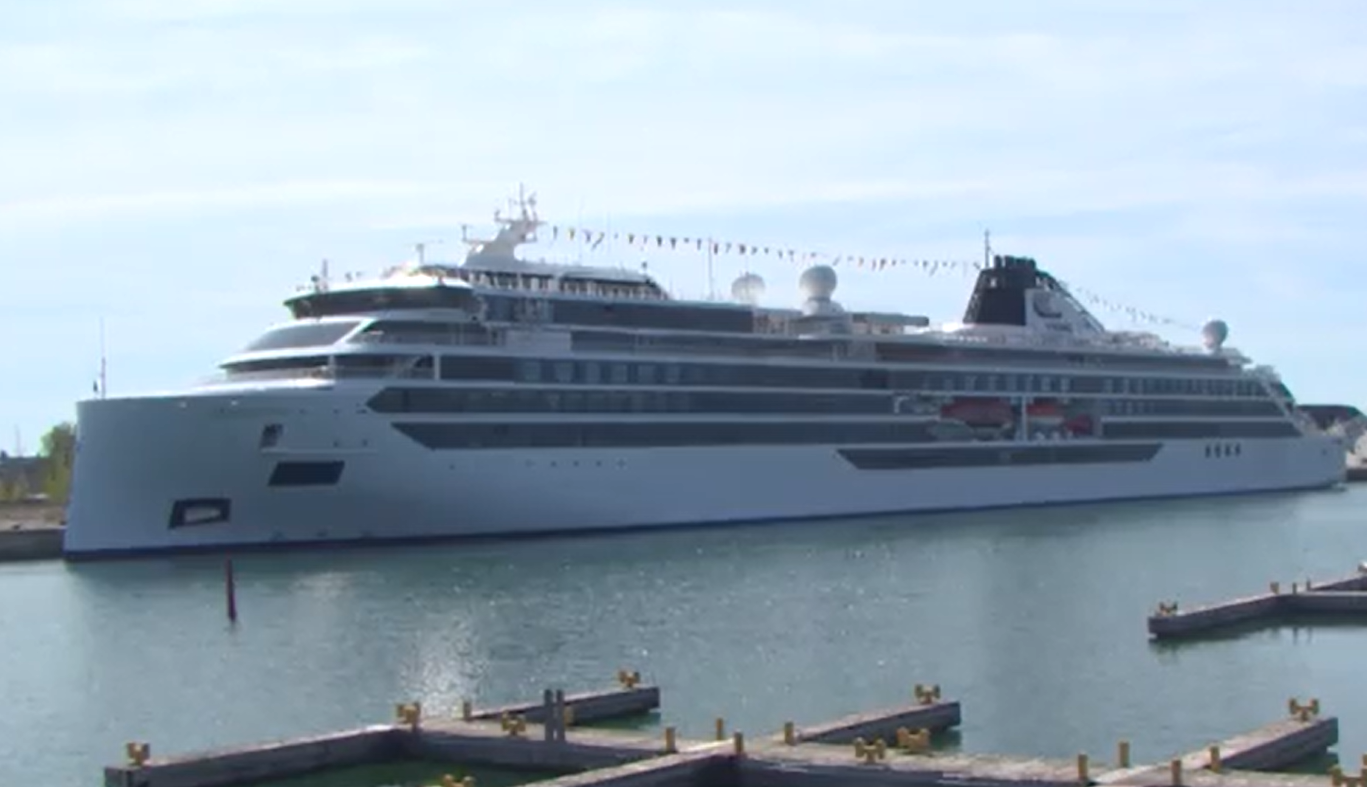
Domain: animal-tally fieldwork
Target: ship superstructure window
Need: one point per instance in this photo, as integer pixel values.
(426, 332)
(303, 334)
(419, 367)
(371, 299)
(306, 366)
(842, 376)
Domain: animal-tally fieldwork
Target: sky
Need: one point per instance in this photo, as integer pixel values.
(173, 171)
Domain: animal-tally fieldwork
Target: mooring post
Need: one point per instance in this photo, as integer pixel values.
(230, 588)
(548, 707)
(560, 715)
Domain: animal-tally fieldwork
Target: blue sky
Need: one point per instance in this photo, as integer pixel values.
(178, 168)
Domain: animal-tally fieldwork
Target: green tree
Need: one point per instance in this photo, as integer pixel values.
(59, 449)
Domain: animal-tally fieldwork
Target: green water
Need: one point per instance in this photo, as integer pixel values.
(1035, 620)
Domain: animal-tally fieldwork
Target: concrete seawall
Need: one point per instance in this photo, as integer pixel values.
(31, 543)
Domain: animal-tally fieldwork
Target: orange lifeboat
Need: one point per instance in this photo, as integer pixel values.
(979, 411)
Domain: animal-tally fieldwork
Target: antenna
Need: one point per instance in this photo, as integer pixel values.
(987, 249)
(421, 247)
(104, 366)
(711, 289)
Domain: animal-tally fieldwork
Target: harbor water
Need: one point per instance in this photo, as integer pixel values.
(1034, 619)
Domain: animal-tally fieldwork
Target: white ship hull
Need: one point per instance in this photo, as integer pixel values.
(138, 456)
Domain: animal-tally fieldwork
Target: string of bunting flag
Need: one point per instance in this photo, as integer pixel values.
(646, 241)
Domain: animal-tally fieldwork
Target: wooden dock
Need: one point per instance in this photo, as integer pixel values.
(1341, 597)
(864, 750)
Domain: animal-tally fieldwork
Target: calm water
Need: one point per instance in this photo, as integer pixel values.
(1035, 620)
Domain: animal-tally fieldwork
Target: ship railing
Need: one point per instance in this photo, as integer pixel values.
(1112, 341)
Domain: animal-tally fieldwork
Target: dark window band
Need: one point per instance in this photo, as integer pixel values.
(674, 434)
(523, 399)
(1198, 429)
(432, 400)
(666, 434)
(580, 371)
(995, 456)
(306, 473)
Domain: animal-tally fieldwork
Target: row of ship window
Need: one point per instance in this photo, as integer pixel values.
(568, 434)
(610, 340)
(543, 400)
(582, 372)
(764, 375)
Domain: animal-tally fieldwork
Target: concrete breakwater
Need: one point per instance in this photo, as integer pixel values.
(31, 542)
(30, 531)
(893, 746)
(1342, 597)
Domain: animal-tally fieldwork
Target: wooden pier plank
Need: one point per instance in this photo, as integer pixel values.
(588, 707)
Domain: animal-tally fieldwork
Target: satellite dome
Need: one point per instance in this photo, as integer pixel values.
(818, 282)
(748, 288)
(1214, 334)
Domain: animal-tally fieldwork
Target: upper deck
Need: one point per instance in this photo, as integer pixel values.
(1017, 314)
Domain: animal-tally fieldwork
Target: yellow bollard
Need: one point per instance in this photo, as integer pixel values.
(1083, 772)
(513, 725)
(450, 781)
(913, 742)
(870, 753)
(927, 695)
(408, 713)
(789, 733)
(1215, 759)
(671, 745)
(628, 679)
(569, 715)
(138, 753)
(1336, 776)
(1304, 712)
(1122, 758)
(739, 740)
(467, 710)
(1175, 767)
(721, 728)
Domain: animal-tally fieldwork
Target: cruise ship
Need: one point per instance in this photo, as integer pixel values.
(503, 396)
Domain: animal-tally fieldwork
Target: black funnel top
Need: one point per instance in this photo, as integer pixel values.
(999, 297)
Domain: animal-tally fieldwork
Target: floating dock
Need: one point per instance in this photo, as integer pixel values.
(889, 747)
(1341, 597)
